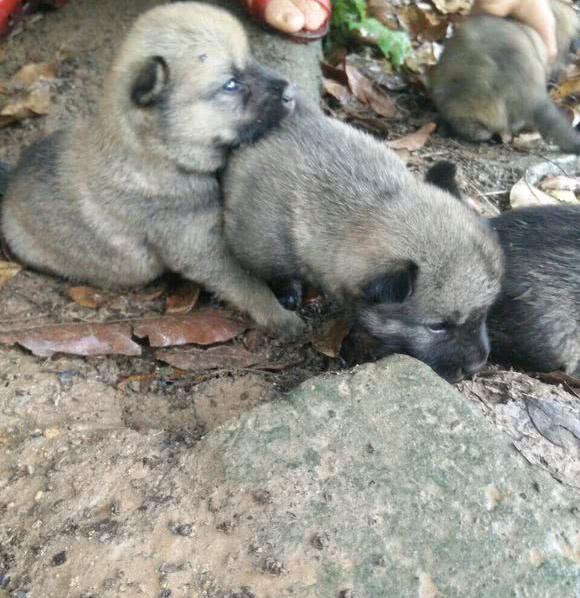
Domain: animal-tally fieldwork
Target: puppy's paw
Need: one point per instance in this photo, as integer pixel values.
(288, 325)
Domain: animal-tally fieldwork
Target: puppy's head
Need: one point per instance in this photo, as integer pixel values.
(185, 86)
(433, 303)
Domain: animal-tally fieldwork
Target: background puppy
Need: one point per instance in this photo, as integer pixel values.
(118, 200)
(419, 272)
(535, 321)
(492, 76)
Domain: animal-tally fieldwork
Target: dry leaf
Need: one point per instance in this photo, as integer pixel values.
(524, 194)
(222, 357)
(78, 339)
(204, 327)
(88, 297)
(336, 90)
(526, 140)
(31, 74)
(328, 340)
(183, 298)
(423, 25)
(413, 141)
(560, 183)
(568, 88)
(364, 89)
(7, 271)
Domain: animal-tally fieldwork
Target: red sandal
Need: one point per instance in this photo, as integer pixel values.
(12, 11)
(257, 8)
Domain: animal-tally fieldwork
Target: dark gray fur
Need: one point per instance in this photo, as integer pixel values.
(320, 201)
(492, 77)
(535, 322)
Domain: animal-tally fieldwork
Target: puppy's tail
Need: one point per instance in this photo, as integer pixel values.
(4, 174)
(553, 125)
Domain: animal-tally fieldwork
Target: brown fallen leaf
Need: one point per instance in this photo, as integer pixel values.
(364, 90)
(31, 74)
(183, 298)
(88, 297)
(221, 357)
(36, 102)
(27, 93)
(413, 141)
(78, 339)
(336, 90)
(7, 271)
(329, 338)
(422, 24)
(204, 327)
(568, 88)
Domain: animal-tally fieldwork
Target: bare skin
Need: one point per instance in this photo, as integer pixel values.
(291, 16)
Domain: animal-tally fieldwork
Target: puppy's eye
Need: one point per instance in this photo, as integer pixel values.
(438, 327)
(232, 85)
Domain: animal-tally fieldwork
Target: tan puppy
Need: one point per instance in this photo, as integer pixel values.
(492, 76)
(419, 270)
(133, 192)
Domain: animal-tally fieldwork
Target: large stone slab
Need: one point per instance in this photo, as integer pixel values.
(378, 482)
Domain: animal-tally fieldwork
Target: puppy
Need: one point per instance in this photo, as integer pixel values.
(535, 321)
(320, 201)
(492, 76)
(121, 198)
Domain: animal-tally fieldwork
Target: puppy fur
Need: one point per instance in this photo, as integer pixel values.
(320, 201)
(121, 198)
(492, 76)
(535, 321)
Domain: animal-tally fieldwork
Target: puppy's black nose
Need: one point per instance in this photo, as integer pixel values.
(289, 94)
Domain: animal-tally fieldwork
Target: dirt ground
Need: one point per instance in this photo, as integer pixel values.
(145, 405)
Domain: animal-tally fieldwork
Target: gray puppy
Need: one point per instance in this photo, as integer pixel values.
(535, 322)
(320, 201)
(133, 192)
(492, 76)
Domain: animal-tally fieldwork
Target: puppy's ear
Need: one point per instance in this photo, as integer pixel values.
(443, 175)
(392, 287)
(150, 81)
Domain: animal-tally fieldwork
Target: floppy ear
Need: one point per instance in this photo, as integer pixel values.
(150, 82)
(443, 175)
(392, 287)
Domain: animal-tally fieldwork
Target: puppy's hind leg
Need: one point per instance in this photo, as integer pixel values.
(195, 248)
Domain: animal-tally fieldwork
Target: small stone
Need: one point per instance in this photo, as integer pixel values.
(536, 557)
(348, 593)
(181, 529)
(273, 566)
(58, 559)
(317, 541)
(165, 593)
(262, 497)
(493, 497)
(51, 433)
(38, 496)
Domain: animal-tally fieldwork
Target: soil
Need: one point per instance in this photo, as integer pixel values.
(72, 412)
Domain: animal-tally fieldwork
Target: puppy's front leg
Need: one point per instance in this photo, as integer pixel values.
(194, 247)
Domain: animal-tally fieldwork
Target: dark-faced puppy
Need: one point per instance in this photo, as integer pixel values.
(535, 321)
(492, 76)
(133, 192)
(320, 201)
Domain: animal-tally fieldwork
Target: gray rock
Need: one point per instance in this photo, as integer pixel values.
(385, 482)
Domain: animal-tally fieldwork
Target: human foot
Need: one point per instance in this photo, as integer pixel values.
(300, 19)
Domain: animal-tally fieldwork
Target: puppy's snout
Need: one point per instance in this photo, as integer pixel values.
(289, 94)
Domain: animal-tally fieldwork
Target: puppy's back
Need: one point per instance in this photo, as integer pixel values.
(536, 320)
